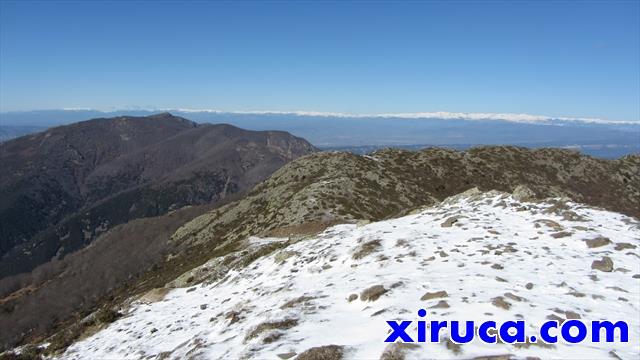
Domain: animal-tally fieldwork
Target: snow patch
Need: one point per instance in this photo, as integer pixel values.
(500, 260)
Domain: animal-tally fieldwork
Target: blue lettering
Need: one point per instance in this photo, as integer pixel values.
(483, 332)
(609, 329)
(435, 330)
(399, 331)
(455, 332)
(518, 337)
(566, 331)
(544, 332)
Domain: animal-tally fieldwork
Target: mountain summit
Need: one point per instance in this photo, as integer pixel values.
(61, 188)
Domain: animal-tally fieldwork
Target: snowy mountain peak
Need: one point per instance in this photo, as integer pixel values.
(477, 256)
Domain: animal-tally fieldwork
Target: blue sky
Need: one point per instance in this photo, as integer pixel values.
(566, 58)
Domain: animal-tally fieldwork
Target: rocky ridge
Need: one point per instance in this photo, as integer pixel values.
(327, 188)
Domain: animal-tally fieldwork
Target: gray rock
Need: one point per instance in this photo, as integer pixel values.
(606, 264)
(373, 293)
(598, 242)
(434, 295)
(327, 352)
(523, 193)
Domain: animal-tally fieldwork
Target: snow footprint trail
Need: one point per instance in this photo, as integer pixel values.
(481, 257)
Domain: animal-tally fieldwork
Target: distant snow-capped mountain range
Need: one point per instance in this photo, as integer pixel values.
(336, 130)
(441, 115)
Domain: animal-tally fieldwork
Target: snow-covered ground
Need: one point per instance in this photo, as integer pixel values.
(497, 259)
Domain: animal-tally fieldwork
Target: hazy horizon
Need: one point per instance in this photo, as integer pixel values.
(365, 133)
(439, 114)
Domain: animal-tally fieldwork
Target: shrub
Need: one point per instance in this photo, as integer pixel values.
(107, 316)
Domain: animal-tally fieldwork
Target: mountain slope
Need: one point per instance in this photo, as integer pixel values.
(319, 190)
(65, 186)
(327, 188)
(32, 304)
(477, 256)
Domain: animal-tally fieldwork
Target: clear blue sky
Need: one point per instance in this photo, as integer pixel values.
(567, 58)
